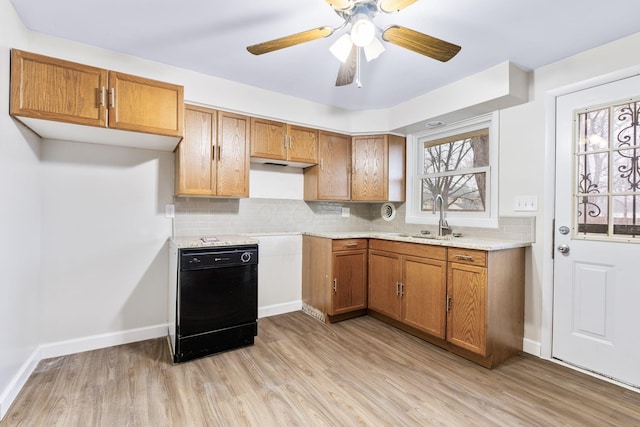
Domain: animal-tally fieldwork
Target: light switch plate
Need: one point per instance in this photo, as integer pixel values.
(170, 211)
(526, 204)
(346, 212)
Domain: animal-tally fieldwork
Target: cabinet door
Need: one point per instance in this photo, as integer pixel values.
(424, 288)
(195, 168)
(349, 281)
(466, 320)
(384, 283)
(268, 139)
(302, 144)
(334, 177)
(53, 89)
(370, 168)
(144, 105)
(233, 155)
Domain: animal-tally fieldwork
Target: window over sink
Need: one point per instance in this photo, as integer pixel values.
(460, 163)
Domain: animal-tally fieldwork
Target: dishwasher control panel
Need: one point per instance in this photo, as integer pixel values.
(227, 256)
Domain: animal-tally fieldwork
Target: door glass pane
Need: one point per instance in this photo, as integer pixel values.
(593, 130)
(593, 173)
(626, 164)
(626, 125)
(607, 171)
(593, 217)
(626, 216)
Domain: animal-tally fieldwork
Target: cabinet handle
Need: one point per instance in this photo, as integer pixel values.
(397, 288)
(335, 285)
(290, 142)
(322, 164)
(112, 98)
(464, 257)
(213, 153)
(401, 289)
(351, 245)
(219, 152)
(448, 303)
(103, 96)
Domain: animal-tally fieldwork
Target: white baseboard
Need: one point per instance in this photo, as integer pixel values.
(19, 380)
(531, 347)
(275, 309)
(94, 342)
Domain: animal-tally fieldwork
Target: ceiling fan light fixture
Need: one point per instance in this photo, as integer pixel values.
(373, 49)
(363, 31)
(342, 48)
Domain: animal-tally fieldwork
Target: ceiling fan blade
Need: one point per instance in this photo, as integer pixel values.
(347, 70)
(420, 43)
(390, 6)
(292, 40)
(340, 4)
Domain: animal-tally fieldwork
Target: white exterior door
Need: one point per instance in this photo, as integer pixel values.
(596, 313)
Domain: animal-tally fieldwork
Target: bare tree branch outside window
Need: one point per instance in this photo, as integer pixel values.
(457, 168)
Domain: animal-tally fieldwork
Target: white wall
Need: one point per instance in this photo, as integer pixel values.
(279, 274)
(526, 161)
(20, 212)
(104, 238)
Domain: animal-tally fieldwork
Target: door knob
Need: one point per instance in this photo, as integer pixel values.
(563, 249)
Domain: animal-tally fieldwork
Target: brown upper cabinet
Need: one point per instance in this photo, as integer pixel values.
(330, 179)
(212, 159)
(378, 171)
(277, 142)
(52, 89)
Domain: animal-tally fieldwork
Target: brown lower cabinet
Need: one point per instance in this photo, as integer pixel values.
(470, 302)
(408, 283)
(334, 277)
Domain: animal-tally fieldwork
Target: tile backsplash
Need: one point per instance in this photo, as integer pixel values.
(208, 216)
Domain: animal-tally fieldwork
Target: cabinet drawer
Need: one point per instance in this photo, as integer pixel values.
(348, 244)
(468, 256)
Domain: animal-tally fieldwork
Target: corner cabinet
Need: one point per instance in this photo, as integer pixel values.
(470, 302)
(378, 168)
(282, 143)
(48, 94)
(330, 179)
(408, 284)
(334, 277)
(213, 157)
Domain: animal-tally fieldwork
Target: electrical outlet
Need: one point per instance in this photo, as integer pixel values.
(170, 211)
(346, 212)
(526, 204)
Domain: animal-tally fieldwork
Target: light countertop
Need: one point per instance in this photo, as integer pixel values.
(222, 240)
(479, 243)
(454, 242)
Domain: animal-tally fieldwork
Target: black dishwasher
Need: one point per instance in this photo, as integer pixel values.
(216, 300)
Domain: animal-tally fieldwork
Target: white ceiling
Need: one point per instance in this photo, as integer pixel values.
(210, 37)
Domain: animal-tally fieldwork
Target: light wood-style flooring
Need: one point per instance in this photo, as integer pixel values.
(301, 372)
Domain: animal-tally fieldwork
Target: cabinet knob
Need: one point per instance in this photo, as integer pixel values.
(335, 285)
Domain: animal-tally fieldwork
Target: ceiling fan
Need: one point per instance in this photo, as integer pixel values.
(364, 36)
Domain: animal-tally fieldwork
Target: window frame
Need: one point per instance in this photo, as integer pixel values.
(415, 166)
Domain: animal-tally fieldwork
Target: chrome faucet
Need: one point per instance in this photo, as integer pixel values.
(443, 227)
